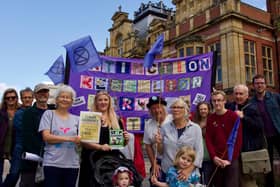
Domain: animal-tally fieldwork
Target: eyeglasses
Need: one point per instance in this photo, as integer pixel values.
(217, 100)
(11, 97)
(177, 107)
(65, 97)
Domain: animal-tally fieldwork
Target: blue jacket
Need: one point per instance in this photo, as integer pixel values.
(272, 105)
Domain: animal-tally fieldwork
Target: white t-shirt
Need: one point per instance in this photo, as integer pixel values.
(151, 128)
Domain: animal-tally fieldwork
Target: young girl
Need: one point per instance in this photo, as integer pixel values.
(122, 177)
(183, 160)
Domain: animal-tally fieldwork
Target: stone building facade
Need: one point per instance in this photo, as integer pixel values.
(246, 39)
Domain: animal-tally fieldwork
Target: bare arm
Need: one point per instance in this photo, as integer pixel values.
(53, 139)
(155, 181)
(151, 155)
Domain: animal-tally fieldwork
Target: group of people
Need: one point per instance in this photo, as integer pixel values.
(184, 148)
(207, 132)
(52, 133)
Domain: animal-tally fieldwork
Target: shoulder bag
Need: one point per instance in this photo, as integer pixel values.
(254, 162)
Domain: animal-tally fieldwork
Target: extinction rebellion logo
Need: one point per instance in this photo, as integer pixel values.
(81, 56)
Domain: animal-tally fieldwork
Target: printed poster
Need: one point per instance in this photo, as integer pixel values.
(90, 125)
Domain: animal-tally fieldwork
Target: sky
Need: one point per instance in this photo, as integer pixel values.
(32, 33)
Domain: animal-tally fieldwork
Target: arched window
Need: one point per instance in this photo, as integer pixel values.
(119, 42)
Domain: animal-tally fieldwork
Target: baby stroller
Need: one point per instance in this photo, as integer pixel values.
(104, 164)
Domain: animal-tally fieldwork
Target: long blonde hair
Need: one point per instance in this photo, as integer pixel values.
(111, 116)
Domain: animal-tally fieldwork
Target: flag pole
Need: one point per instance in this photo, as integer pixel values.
(149, 58)
(158, 122)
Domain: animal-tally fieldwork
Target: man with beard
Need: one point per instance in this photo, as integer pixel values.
(159, 117)
(32, 140)
(269, 106)
(252, 126)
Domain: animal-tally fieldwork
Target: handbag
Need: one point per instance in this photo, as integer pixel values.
(39, 175)
(255, 162)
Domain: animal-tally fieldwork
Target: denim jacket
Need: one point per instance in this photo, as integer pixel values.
(272, 105)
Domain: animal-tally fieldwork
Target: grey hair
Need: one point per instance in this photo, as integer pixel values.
(65, 88)
(182, 103)
(27, 89)
(243, 87)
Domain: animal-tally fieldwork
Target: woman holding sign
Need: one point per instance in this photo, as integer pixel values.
(59, 129)
(109, 120)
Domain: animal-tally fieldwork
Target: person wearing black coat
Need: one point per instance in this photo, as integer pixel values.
(253, 136)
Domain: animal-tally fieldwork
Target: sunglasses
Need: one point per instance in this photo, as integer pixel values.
(11, 97)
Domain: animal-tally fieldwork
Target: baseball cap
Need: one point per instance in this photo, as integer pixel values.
(156, 100)
(41, 86)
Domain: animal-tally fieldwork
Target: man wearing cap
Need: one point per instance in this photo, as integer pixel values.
(32, 140)
(157, 109)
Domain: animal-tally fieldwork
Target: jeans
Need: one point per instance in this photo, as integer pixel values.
(60, 177)
(13, 175)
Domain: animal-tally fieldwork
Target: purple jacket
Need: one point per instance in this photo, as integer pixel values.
(4, 120)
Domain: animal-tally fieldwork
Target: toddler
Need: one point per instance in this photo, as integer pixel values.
(183, 160)
(122, 177)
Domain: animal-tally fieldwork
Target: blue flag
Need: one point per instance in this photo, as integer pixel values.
(232, 138)
(155, 50)
(56, 71)
(82, 54)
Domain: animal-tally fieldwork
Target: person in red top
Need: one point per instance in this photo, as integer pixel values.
(218, 129)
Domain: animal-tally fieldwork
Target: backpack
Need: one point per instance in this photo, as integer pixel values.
(104, 164)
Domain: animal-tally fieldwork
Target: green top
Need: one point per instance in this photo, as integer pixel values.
(8, 139)
(206, 156)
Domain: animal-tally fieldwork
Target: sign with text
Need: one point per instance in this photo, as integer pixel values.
(131, 85)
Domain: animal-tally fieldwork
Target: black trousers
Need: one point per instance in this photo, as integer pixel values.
(273, 141)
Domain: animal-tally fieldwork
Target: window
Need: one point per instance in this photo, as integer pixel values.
(267, 64)
(217, 47)
(250, 60)
(199, 50)
(189, 51)
(181, 52)
(120, 45)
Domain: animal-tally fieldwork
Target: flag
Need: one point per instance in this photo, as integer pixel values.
(155, 50)
(82, 54)
(232, 138)
(56, 71)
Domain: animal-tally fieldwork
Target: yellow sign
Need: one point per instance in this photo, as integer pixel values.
(90, 125)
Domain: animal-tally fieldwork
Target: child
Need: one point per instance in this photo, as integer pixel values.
(122, 177)
(183, 160)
